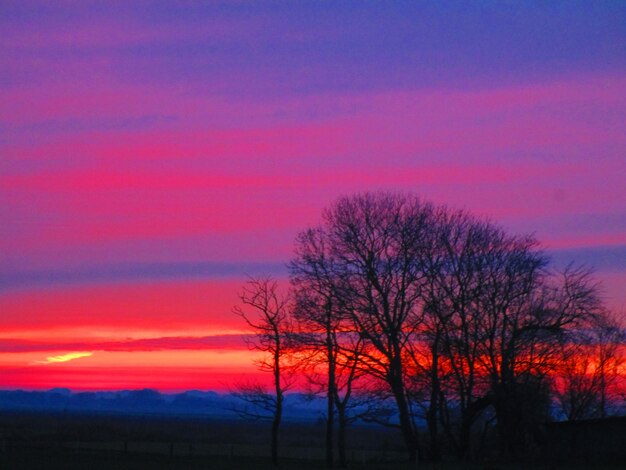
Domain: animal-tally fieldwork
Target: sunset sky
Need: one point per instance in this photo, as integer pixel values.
(152, 155)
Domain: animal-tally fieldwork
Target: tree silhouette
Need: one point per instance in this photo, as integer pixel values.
(446, 314)
(333, 346)
(589, 373)
(267, 313)
(369, 246)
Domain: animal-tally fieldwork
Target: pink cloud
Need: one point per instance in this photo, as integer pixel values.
(203, 305)
(231, 341)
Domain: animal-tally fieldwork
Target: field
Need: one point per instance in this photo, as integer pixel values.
(60, 460)
(97, 442)
(69, 440)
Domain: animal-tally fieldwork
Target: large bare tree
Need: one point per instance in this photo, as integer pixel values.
(372, 246)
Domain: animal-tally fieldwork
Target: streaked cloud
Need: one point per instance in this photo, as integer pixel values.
(216, 342)
(599, 258)
(135, 272)
(65, 357)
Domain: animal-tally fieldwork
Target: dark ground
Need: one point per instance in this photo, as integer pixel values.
(63, 461)
(42, 441)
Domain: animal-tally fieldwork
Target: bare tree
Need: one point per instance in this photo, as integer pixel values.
(373, 242)
(588, 376)
(527, 310)
(347, 397)
(350, 399)
(494, 313)
(316, 313)
(333, 347)
(267, 313)
(457, 271)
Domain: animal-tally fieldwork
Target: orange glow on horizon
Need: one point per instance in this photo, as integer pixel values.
(163, 370)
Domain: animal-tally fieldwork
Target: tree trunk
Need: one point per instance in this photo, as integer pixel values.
(433, 430)
(464, 437)
(279, 406)
(330, 420)
(510, 429)
(330, 423)
(406, 425)
(275, 428)
(341, 436)
(431, 415)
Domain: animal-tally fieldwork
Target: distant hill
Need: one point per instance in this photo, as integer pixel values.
(151, 402)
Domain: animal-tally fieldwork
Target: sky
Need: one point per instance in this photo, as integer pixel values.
(153, 154)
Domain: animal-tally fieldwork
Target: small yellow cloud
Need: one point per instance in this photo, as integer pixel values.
(65, 357)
